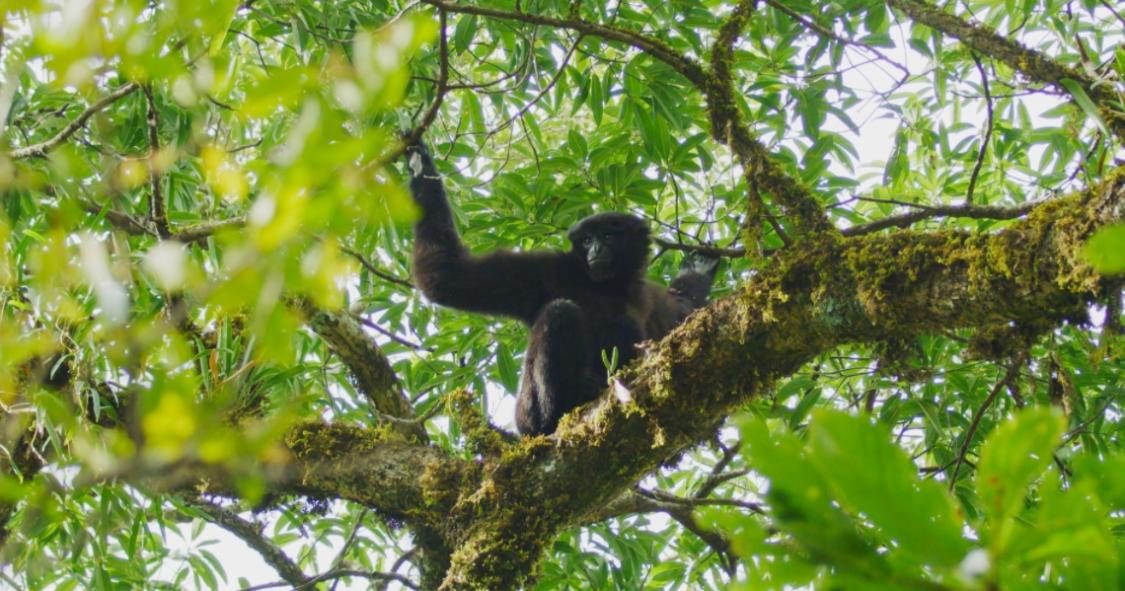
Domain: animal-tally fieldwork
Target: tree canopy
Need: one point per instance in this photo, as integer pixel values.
(910, 376)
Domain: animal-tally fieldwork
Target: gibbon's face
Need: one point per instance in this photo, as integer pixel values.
(611, 244)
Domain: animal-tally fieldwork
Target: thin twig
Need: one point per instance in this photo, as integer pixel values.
(338, 574)
(815, 27)
(717, 251)
(371, 268)
(1010, 375)
(204, 230)
(718, 474)
(987, 130)
(924, 212)
(390, 335)
(439, 92)
(119, 220)
(539, 95)
(1115, 13)
(347, 544)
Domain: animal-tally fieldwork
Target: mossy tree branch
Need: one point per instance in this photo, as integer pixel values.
(374, 467)
(494, 516)
(863, 289)
(727, 127)
(1028, 62)
(715, 83)
(403, 481)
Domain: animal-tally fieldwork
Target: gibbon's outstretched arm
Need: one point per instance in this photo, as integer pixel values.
(502, 282)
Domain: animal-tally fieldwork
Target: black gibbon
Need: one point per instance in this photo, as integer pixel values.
(578, 303)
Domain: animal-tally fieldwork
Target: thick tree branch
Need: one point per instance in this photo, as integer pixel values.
(372, 467)
(485, 523)
(1028, 62)
(828, 293)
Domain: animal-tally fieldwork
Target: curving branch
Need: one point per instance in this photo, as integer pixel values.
(251, 533)
(715, 84)
(727, 127)
(41, 149)
(925, 212)
(686, 66)
(1029, 62)
(370, 368)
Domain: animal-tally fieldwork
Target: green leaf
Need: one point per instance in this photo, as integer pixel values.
(507, 368)
(1107, 474)
(1012, 457)
(1106, 250)
(872, 476)
(1075, 89)
(217, 22)
(802, 503)
(463, 33)
(1068, 536)
(596, 99)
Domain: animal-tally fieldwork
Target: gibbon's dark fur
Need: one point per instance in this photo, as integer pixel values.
(578, 303)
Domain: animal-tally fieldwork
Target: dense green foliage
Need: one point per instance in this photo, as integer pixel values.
(181, 181)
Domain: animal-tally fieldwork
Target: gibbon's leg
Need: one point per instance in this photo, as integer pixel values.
(556, 370)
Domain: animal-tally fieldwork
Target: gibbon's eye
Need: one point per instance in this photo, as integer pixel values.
(587, 241)
(607, 236)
